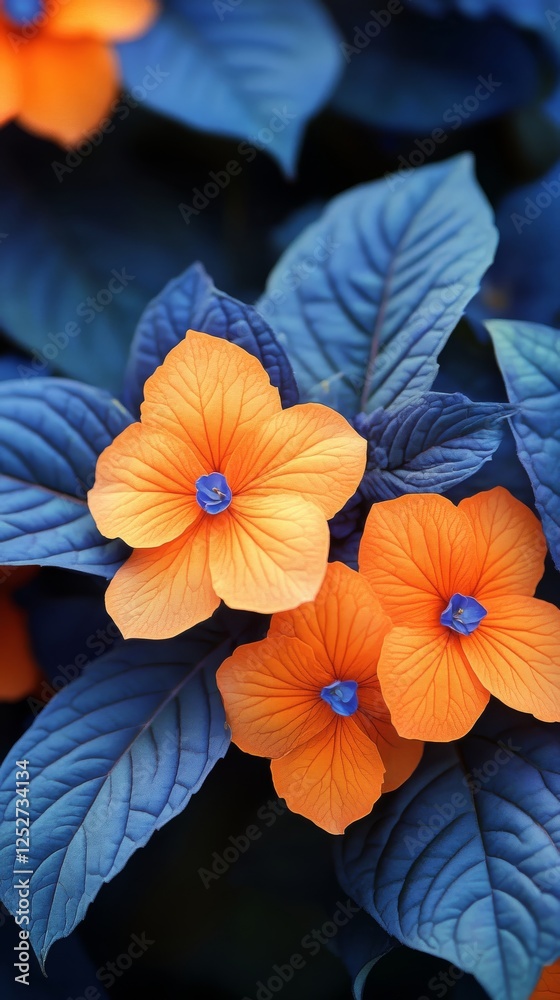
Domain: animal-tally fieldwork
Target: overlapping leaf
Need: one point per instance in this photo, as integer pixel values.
(366, 297)
(237, 68)
(429, 445)
(529, 357)
(495, 66)
(522, 283)
(463, 861)
(113, 757)
(51, 433)
(192, 302)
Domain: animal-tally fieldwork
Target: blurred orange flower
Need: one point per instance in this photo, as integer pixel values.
(308, 696)
(59, 72)
(457, 583)
(221, 492)
(19, 672)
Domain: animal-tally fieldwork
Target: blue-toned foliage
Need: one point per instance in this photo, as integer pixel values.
(464, 71)
(256, 70)
(191, 301)
(366, 298)
(428, 445)
(11, 366)
(77, 265)
(113, 757)
(463, 861)
(523, 280)
(51, 433)
(525, 13)
(360, 944)
(529, 357)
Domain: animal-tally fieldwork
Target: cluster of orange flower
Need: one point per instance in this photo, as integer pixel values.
(225, 496)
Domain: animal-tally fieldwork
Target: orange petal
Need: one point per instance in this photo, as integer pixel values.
(515, 653)
(509, 544)
(268, 554)
(159, 593)
(344, 625)
(548, 986)
(68, 86)
(272, 696)
(114, 20)
(144, 490)
(10, 76)
(426, 681)
(400, 756)
(19, 672)
(416, 552)
(208, 392)
(309, 450)
(334, 779)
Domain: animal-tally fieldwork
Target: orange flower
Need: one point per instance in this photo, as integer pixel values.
(19, 673)
(58, 70)
(308, 696)
(221, 492)
(548, 986)
(457, 584)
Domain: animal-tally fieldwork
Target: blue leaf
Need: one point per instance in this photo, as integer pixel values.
(529, 358)
(429, 445)
(366, 298)
(463, 861)
(246, 69)
(51, 434)
(495, 67)
(192, 302)
(360, 945)
(11, 366)
(523, 280)
(526, 13)
(114, 756)
(75, 303)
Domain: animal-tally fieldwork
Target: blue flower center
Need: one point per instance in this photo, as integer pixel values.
(213, 493)
(342, 696)
(463, 614)
(22, 11)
